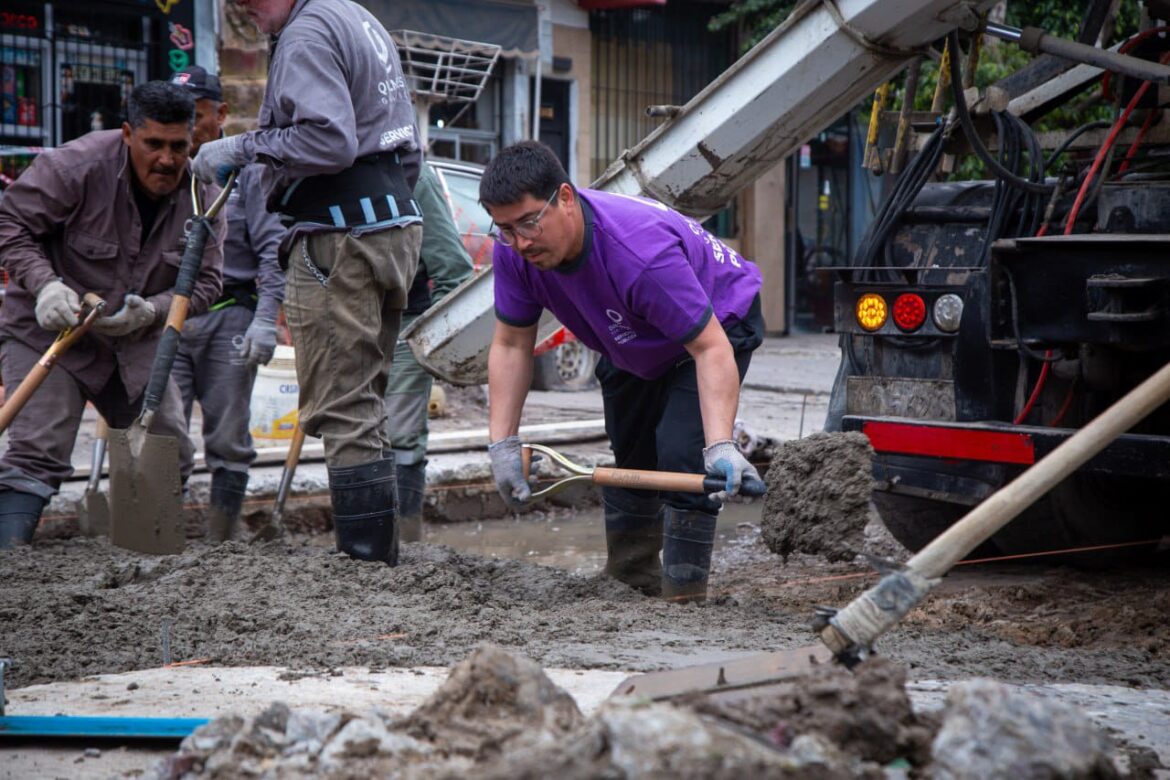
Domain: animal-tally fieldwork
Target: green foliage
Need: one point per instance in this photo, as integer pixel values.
(752, 19)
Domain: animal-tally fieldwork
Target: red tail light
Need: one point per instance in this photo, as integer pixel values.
(909, 311)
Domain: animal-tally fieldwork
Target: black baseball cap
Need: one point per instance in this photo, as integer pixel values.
(201, 83)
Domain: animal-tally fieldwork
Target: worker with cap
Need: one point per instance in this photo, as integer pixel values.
(340, 155)
(220, 349)
(675, 314)
(108, 214)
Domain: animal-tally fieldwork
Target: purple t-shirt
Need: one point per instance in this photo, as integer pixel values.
(647, 282)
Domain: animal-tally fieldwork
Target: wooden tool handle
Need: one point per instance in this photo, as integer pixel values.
(637, 479)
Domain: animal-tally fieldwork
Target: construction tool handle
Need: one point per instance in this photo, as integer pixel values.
(1001, 507)
(101, 432)
(672, 481)
(36, 375)
(168, 345)
(290, 467)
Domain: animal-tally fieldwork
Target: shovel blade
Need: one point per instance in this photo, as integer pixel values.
(727, 679)
(95, 514)
(146, 493)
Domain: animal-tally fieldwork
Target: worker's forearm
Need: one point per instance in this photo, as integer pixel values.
(718, 380)
(509, 376)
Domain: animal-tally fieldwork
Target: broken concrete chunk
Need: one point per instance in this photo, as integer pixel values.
(995, 730)
(493, 698)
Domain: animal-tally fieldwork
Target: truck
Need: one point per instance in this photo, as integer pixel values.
(981, 322)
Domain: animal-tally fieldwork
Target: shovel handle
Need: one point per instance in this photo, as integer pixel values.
(636, 479)
(633, 479)
(36, 375)
(168, 344)
(290, 469)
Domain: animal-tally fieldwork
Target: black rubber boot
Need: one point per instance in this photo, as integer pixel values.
(412, 481)
(689, 537)
(19, 515)
(228, 489)
(364, 510)
(633, 538)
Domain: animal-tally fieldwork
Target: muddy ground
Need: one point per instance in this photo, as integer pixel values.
(75, 607)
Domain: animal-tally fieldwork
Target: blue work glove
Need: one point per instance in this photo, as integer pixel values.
(58, 306)
(724, 460)
(259, 342)
(217, 159)
(508, 471)
(136, 313)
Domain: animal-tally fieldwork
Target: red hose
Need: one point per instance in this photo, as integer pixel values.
(1036, 390)
(1102, 153)
(1136, 142)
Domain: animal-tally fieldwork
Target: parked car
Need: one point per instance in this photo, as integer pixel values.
(562, 362)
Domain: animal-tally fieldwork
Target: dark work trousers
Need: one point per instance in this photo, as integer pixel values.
(210, 369)
(41, 438)
(657, 424)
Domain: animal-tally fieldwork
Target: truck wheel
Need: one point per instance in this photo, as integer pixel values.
(567, 367)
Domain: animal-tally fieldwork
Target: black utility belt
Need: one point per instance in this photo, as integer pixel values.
(237, 295)
(372, 191)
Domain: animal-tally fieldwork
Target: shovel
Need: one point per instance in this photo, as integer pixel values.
(146, 493)
(91, 308)
(274, 528)
(631, 479)
(95, 511)
(848, 634)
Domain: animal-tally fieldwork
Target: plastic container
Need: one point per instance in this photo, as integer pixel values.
(275, 400)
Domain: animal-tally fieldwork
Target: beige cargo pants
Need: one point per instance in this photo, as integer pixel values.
(344, 299)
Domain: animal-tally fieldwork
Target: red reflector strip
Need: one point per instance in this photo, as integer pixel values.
(953, 443)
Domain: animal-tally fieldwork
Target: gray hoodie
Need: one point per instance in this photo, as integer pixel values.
(335, 92)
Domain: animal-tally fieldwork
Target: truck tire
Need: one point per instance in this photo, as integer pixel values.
(567, 367)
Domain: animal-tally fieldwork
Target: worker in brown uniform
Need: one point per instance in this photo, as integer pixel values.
(105, 213)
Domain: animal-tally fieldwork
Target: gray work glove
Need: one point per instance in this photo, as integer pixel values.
(259, 342)
(58, 306)
(136, 313)
(724, 460)
(217, 159)
(508, 471)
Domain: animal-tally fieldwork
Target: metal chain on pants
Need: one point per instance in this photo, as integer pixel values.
(313, 269)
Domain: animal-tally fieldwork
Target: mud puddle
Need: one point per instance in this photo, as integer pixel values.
(568, 539)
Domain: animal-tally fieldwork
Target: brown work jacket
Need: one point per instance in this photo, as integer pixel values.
(72, 216)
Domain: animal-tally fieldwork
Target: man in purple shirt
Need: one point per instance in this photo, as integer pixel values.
(675, 314)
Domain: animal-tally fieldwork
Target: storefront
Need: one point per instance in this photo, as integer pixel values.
(68, 67)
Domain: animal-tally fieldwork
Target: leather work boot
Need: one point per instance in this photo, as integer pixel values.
(364, 510)
(19, 515)
(412, 480)
(633, 538)
(689, 537)
(228, 489)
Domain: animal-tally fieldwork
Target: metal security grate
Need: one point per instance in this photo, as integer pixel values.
(649, 56)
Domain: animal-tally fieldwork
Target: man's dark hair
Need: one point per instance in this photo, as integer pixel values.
(162, 102)
(525, 168)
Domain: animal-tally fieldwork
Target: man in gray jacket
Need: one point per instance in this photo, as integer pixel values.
(340, 157)
(105, 214)
(221, 349)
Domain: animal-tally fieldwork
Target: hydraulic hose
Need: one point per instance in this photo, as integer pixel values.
(973, 135)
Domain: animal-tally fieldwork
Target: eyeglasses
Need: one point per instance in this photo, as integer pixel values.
(529, 228)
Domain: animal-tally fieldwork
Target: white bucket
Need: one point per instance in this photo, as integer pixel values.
(275, 399)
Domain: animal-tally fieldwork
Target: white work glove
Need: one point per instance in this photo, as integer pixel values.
(724, 460)
(136, 313)
(58, 306)
(259, 342)
(508, 471)
(217, 159)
